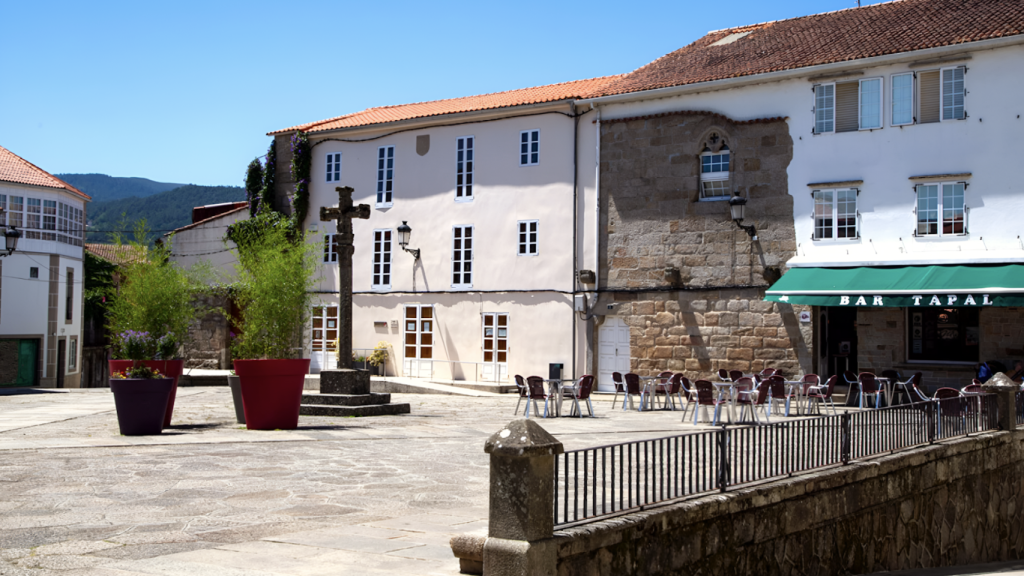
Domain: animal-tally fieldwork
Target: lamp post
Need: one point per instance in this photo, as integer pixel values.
(738, 208)
(10, 238)
(404, 231)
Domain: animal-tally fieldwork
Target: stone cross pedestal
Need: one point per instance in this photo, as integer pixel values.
(344, 212)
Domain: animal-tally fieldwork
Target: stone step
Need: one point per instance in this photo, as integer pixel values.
(368, 410)
(346, 399)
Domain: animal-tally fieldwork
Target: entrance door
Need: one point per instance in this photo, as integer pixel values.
(838, 345)
(324, 339)
(612, 350)
(62, 351)
(419, 341)
(495, 347)
(18, 362)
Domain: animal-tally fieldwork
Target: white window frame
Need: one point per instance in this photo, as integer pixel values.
(834, 227)
(942, 94)
(383, 256)
(3, 209)
(465, 157)
(330, 255)
(73, 354)
(333, 167)
(385, 184)
(523, 235)
(15, 217)
(720, 176)
(818, 110)
(892, 99)
(940, 209)
(459, 260)
(881, 103)
(526, 158)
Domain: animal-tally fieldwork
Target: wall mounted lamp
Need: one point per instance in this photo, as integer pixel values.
(404, 231)
(738, 208)
(11, 237)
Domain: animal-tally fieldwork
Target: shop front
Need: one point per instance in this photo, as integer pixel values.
(941, 321)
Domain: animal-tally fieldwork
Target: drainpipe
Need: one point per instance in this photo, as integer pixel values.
(597, 203)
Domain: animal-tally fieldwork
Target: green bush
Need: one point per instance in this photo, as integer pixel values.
(276, 268)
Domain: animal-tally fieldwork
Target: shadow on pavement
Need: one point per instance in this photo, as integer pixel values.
(18, 391)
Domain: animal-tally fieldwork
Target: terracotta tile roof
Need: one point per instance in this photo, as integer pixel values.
(14, 168)
(243, 206)
(851, 34)
(116, 254)
(535, 95)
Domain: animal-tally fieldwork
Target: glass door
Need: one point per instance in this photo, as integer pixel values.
(419, 341)
(324, 339)
(495, 347)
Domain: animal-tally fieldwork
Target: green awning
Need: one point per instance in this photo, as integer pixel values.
(902, 286)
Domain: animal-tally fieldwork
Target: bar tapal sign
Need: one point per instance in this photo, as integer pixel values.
(902, 300)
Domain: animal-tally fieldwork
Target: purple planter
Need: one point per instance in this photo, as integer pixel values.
(141, 404)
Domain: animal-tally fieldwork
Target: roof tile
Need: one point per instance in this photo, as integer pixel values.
(14, 168)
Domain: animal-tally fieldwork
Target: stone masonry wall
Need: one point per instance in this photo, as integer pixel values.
(882, 344)
(946, 504)
(689, 282)
(208, 342)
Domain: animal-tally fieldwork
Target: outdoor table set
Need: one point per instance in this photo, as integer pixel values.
(533, 389)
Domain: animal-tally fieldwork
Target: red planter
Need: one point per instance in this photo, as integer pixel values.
(141, 404)
(272, 392)
(169, 368)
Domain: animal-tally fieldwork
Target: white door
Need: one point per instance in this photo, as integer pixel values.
(612, 351)
(495, 347)
(419, 341)
(324, 339)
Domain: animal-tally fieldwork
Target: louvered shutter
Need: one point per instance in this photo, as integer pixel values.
(929, 88)
(846, 107)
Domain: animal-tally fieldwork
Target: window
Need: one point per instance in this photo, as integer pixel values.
(870, 103)
(68, 224)
(33, 272)
(953, 93)
(835, 214)
(325, 329)
(529, 147)
(943, 334)
(73, 354)
(848, 106)
(495, 346)
(464, 168)
(385, 173)
(902, 99)
(15, 207)
(334, 167)
(714, 174)
(330, 248)
(3, 209)
(419, 332)
(381, 259)
(69, 297)
(34, 216)
(940, 209)
(528, 237)
(462, 257)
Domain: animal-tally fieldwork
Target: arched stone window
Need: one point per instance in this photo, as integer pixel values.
(714, 168)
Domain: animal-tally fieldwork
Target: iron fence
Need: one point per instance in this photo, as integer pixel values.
(598, 482)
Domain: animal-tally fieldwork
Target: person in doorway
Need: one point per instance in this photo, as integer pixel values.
(1017, 373)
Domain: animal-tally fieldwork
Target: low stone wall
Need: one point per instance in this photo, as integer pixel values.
(946, 504)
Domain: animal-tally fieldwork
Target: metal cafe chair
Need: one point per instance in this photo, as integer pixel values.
(686, 392)
(661, 389)
(778, 392)
(581, 391)
(706, 397)
(632, 389)
(735, 375)
(869, 387)
(524, 392)
(822, 395)
(619, 386)
(748, 399)
(723, 375)
(535, 385)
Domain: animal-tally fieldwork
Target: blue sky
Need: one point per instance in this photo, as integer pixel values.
(186, 91)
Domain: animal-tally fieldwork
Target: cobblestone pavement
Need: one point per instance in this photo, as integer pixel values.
(338, 495)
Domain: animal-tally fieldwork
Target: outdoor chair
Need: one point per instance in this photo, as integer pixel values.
(632, 389)
(619, 386)
(524, 392)
(951, 408)
(535, 385)
(706, 397)
(661, 389)
(779, 395)
(822, 395)
(723, 375)
(972, 388)
(755, 400)
(735, 375)
(809, 381)
(869, 387)
(686, 391)
(853, 390)
(581, 391)
(913, 387)
(670, 390)
(767, 372)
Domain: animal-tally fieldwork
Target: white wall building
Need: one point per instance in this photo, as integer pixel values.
(41, 295)
(489, 186)
(904, 150)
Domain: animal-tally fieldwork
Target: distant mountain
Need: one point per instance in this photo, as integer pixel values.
(163, 212)
(104, 188)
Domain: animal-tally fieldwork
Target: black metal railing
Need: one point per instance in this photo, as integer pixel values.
(606, 480)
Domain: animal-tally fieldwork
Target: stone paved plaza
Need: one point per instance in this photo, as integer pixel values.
(337, 496)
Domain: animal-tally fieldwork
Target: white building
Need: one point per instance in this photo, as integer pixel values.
(906, 122)
(499, 212)
(41, 282)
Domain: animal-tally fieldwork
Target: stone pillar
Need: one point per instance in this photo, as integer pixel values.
(521, 525)
(1006, 391)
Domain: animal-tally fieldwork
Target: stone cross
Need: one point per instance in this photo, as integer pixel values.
(344, 212)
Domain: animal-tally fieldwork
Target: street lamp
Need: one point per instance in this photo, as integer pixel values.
(404, 231)
(738, 208)
(11, 239)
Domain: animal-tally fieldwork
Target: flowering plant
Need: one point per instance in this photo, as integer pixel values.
(137, 372)
(380, 353)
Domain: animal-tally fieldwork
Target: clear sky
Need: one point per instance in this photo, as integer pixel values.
(185, 91)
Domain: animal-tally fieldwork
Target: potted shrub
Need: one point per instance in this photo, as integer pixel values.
(379, 358)
(276, 268)
(141, 392)
(156, 297)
